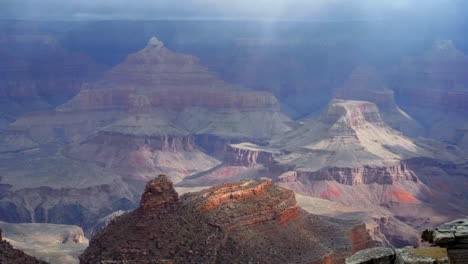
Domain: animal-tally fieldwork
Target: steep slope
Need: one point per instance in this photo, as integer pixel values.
(249, 221)
(156, 112)
(175, 85)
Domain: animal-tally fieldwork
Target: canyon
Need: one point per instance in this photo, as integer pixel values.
(370, 153)
(351, 156)
(151, 114)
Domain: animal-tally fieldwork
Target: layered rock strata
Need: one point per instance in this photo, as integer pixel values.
(249, 155)
(232, 223)
(454, 237)
(144, 117)
(407, 255)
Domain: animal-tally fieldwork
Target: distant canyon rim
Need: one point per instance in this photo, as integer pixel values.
(378, 141)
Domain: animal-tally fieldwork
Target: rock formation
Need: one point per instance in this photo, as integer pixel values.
(454, 237)
(351, 156)
(103, 222)
(248, 155)
(407, 255)
(251, 220)
(156, 112)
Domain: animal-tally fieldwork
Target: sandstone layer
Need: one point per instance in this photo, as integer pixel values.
(351, 156)
(252, 221)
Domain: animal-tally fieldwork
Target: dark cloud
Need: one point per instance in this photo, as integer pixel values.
(258, 9)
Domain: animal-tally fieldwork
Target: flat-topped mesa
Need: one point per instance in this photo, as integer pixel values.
(248, 155)
(159, 193)
(352, 114)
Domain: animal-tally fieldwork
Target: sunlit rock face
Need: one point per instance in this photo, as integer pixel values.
(351, 156)
(249, 220)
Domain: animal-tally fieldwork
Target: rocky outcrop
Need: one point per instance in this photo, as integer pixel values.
(158, 193)
(252, 221)
(103, 222)
(454, 237)
(283, 212)
(354, 176)
(407, 255)
(249, 155)
(373, 255)
(349, 144)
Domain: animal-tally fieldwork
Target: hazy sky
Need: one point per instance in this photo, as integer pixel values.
(227, 9)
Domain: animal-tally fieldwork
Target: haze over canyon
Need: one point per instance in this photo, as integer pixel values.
(229, 141)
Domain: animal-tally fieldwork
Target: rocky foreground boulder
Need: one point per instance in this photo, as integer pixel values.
(250, 221)
(406, 255)
(450, 242)
(454, 237)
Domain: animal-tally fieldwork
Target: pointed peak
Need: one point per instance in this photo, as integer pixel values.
(158, 193)
(155, 42)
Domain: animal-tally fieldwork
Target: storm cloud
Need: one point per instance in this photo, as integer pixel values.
(224, 9)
